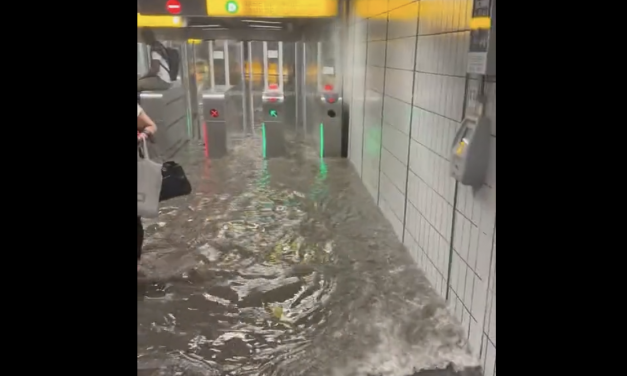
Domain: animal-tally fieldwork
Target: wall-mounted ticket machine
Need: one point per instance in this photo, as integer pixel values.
(273, 127)
(470, 153)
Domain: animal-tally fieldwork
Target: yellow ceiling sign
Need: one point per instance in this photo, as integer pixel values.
(272, 8)
(371, 8)
(159, 21)
(402, 10)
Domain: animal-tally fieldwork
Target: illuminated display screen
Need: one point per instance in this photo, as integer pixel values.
(272, 8)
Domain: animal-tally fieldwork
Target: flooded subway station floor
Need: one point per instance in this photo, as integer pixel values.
(285, 268)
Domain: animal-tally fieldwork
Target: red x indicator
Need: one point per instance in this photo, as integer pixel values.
(214, 113)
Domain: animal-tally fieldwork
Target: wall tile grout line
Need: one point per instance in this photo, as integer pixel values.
(411, 117)
(420, 71)
(363, 111)
(485, 312)
(385, 62)
(455, 194)
(427, 256)
(418, 107)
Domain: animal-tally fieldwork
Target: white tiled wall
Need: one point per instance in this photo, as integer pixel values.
(408, 88)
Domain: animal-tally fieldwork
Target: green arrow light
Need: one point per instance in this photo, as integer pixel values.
(273, 113)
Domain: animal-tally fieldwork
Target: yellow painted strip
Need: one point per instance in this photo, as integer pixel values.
(159, 21)
(480, 23)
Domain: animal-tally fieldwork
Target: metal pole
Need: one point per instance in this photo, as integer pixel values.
(212, 76)
(191, 132)
(243, 85)
(319, 63)
(227, 73)
(280, 70)
(296, 82)
(265, 66)
(250, 87)
(306, 96)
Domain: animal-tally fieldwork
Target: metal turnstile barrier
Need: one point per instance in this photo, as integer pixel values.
(168, 109)
(215, 110)
(329, 137)
(273, 127)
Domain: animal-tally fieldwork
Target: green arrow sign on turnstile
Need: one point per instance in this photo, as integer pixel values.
(273, 113)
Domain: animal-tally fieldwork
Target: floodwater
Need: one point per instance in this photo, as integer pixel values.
(285, 268)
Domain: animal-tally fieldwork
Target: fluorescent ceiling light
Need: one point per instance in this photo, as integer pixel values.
(266, 27)
(262, 22)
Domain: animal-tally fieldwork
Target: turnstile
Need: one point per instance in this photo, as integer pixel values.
(215, 133)
(168, 110)
(273, 126)
(329, 136)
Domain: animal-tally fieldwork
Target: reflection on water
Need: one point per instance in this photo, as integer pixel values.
(284, 267)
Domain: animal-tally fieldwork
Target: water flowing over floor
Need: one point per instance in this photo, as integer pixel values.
(285, 267)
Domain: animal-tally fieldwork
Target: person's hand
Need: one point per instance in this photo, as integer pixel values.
(142, 136)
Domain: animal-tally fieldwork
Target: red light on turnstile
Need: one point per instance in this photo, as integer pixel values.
(272, 100)
(328, 87)
(273, 86)
(214, 113)
(206, 138)
(173, 6)
(331, 100)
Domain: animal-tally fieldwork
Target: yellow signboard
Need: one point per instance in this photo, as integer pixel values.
(272, 8)
(159, 21)
(402, 10)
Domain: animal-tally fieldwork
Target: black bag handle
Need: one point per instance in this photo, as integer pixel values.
(163, 51)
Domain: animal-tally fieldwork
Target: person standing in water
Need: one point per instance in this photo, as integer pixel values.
(146, 128)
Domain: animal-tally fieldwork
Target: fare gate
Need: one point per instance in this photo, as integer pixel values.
(330, 133)
(273, 126)
(214, 104)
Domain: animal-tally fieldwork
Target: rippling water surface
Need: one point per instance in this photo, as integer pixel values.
(285, 268)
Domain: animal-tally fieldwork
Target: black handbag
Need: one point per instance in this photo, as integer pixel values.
(175, 183)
